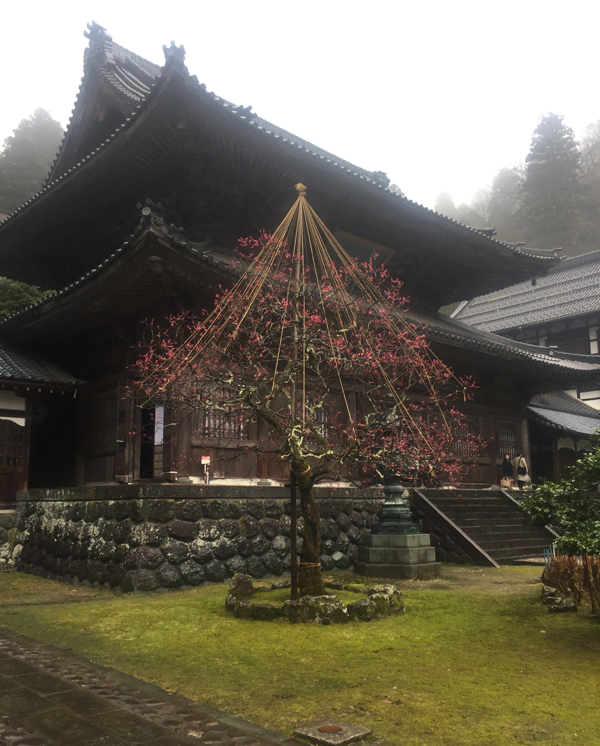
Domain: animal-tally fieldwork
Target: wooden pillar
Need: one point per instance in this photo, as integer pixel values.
(170, 439)
(121, 470)
(27, 445)
(134, 442)
(493, 449)
(82, 414)
(262, 462)
(525, 441)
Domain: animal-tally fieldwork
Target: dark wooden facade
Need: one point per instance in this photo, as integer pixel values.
(92, 329)
(222, 173)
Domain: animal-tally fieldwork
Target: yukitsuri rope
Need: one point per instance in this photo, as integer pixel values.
(303, 238)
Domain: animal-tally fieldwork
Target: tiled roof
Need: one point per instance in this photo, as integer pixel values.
(570, 289)
(564, 413)
(572, 424)
(445, 329)
(209, 254)
(134, 78)
(16, 365)
(436, 328)
(563, 402)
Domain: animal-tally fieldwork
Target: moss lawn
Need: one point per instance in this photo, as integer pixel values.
(476, 660)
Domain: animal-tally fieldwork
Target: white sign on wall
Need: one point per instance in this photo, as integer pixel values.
(159, 426)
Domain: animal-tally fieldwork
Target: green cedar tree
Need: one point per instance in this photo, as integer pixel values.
(14, 296)
(26, 158)
(552, 195)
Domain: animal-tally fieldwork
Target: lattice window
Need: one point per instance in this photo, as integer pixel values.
(464, 435)
(12, 443)
(319, 418)
(101, 433)
(221, 421)
(507, 441)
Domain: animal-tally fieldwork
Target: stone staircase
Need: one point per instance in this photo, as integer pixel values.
(488, 525)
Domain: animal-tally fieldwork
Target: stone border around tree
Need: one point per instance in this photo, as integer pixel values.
(381, 601)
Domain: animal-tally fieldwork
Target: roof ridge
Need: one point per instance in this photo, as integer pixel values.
(100, 40)
(524, 301)
(592, 414)
(527, 287)
(589, 256)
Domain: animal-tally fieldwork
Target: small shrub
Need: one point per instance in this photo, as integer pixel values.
(575, 577)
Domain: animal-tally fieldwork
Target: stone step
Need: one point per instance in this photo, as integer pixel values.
(534, 546)
(390, 556)
(487, 526)
(458, 498)
(399, 541)
(500, 499)
(465, 491)
(420, 572)
(493, 522)
(480, 515)
(489, 539)
(518, 559)
(505, 525)
(470, 503)
(512, 542)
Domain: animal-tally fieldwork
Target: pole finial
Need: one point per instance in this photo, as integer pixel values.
(301, 189)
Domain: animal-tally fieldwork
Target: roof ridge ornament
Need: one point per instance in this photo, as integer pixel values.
(153, 214)
(100, 46)
(380, 177)
(174, 55)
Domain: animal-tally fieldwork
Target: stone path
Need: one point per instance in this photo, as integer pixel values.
(49, 697)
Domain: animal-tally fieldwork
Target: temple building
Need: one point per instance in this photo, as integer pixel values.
(559, 311)
(155, 181)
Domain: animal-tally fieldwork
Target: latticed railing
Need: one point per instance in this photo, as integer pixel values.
(222, 421)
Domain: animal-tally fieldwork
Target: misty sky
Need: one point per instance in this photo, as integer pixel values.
(439, 95)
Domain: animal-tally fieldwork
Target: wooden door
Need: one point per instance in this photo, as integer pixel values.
(13, 460)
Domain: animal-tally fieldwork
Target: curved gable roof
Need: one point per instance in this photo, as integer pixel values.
(263, 156)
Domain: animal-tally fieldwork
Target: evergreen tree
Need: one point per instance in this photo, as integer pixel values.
(552, 196)
(26, 158)
(444, 204)
(14, 296)
(469, 215)
(504, 201)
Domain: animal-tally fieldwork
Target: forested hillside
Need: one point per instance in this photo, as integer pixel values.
(552, 200)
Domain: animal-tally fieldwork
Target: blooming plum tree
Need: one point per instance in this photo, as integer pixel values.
(317, 346)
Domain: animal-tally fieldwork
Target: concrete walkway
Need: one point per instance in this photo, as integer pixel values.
(49, 697)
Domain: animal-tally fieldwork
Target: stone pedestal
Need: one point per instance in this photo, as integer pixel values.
(397, 556)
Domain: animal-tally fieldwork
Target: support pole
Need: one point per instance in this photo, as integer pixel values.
(293, 539)
(295, 288)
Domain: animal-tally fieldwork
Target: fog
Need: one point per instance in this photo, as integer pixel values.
(438, 95)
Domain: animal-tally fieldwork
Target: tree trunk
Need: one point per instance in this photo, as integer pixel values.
(310, 581)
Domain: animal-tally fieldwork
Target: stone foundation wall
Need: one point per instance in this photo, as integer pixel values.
(147, 537)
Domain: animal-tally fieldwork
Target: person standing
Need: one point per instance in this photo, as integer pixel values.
(507, 471)
(520, 470)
